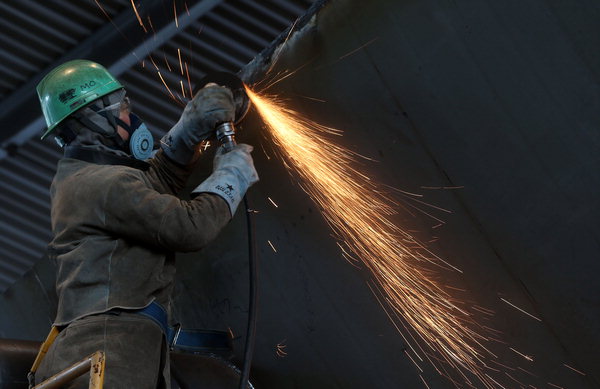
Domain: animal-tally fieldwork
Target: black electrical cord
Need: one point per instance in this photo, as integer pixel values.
(226, 135)
(252, 298)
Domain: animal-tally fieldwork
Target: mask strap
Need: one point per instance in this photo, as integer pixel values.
(110, 107)
(94, 127)
(126, 126)
(108, 115)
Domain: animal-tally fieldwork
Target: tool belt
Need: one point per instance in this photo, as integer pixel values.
(188, 340)
(196, 341)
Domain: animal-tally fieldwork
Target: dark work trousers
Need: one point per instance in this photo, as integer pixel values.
(134, 348)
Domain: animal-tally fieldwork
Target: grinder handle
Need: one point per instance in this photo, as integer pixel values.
(226, 135)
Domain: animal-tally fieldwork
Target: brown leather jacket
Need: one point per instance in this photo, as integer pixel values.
(116, 228)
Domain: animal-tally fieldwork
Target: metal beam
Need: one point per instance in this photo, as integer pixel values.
(165, 34)
(104, 46)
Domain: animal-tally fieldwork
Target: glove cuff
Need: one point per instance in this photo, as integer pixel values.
(226, 184)
(174, 145)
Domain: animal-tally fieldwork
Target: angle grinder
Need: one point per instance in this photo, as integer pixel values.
(226, 131)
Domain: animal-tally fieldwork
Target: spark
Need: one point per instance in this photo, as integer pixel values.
(403, 191)
(556, 386)
(280, 349)
(312, 98)
(175, 13)
(522, 310)
(483, 310)
(492, 369)
(151, 27)
(514, 379)
(180, 64)
(347, 256)
(265, 151)
(271, 244)
(182, 88)
(116, 27)
(455, 288)
(137, 15)
(429, 205)
(529, 358)
(167, 62)
(526, 371)
(442, 187)
(360, 215)
(273, 202)
(276, 57)
(572, 368)
(425, 383)
(103, 10)
(413, 361)
(504, 366)
(153, 63)
(496, 382)
(188, 80)
(358, 48)
(165, 84)
(426, 213)
(277, 80)
(491, 329)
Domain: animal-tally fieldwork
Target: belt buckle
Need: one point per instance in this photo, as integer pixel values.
(177, 332)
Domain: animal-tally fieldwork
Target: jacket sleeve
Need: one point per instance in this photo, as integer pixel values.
(136, 212)
(167, 176)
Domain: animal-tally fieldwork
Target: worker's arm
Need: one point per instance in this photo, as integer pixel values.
(162, 220)
(211, 106)
(174, 162)
(167, 222)
(166, 176)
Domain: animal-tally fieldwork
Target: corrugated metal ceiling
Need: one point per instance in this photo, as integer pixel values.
(36, 36)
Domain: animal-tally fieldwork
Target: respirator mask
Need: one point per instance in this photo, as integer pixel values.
(140, 142)
(133, 138)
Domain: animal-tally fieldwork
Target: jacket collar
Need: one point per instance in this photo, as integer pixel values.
(103, 158)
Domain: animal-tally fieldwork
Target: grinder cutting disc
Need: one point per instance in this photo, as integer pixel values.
(233, 82)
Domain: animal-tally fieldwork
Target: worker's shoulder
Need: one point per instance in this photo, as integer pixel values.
(81, 172)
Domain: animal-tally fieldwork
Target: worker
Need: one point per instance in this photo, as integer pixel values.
(117, 220)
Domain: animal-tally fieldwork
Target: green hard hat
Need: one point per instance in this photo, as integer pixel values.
(71, 86)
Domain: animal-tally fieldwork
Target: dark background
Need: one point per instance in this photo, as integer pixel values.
(499, 99)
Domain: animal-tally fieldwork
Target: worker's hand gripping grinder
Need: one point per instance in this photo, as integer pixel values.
(233, 168)
(225, 132)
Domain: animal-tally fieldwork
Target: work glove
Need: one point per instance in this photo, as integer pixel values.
(233, 173)
(211, 106)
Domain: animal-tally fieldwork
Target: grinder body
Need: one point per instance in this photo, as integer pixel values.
(226, 131)
(226, 135)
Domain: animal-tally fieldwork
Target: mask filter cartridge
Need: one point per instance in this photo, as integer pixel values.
(141, 143)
